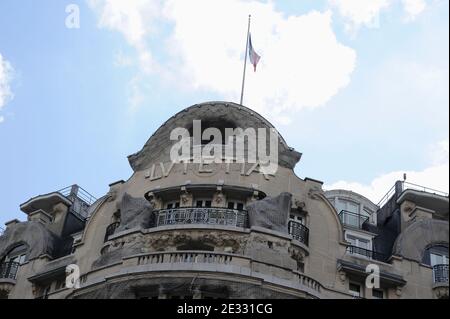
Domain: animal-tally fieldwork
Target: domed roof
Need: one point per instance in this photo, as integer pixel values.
(226, 114)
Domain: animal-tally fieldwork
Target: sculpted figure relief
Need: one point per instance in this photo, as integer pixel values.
(271, 212)
(135, 212)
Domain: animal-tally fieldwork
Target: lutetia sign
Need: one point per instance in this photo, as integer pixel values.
(258, 147)
(163, 170)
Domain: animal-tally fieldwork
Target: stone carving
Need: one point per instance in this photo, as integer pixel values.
(342, 277)
(39, 239)
(271, 212)
(112, 195)
(300, 204)
(413, 240)
(314, 192)
(185, 198)
(219, 199)
(135, 212)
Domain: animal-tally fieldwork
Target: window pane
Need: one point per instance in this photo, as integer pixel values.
(379, 294)
(355, 289)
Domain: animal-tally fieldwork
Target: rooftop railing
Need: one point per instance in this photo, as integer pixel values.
(406, 185)
(79, 192)
(370, 254)
(352, 219)
(8, 270)
(440, 273)
(1, 231)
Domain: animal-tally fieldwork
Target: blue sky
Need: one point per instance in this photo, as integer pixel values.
(360, 90)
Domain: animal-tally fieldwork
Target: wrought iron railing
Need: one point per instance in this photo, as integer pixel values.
(202, 215)
(8, 270)
(194, 257)
(79, 192)
(299, 232)
(402, 186)
(352, 219)
(111, 229)
(440, 273)
(354, 250)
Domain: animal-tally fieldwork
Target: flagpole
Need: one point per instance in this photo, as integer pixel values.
(245, 60)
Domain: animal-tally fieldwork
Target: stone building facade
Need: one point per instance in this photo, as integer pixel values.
(225, 230)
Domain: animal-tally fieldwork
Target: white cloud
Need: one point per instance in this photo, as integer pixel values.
(135, 19)
(360, 13)
(367, 13)
(122, 60)
(6, 72)
(413, 8)
(435, 176)
(299, 68)
(135, 95)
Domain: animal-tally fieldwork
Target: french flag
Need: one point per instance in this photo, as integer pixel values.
(254, 57)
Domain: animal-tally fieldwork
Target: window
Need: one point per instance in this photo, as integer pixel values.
(355, 289)
(349, 206)
(377, 294)
(203, 203)
(438, 259)
(17, 255)
(359, 242)
(296, 218)
(236, 205)
(173, 205)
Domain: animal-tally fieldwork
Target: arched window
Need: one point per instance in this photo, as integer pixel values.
(436, 255)
(18, 254)
(11, 262)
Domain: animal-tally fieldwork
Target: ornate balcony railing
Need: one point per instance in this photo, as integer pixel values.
(111, 229)
(299, 232)
(354, 250)
(352, 219)
(195, 257)
(8, 270)
(202, 215)
(440, 273)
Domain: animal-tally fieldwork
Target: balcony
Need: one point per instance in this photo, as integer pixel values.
(8, 270)
(299, 232)
(352, 219)
(370, 254)
(111, 229)
(440, 274)
(75, 197)
(203, 216)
